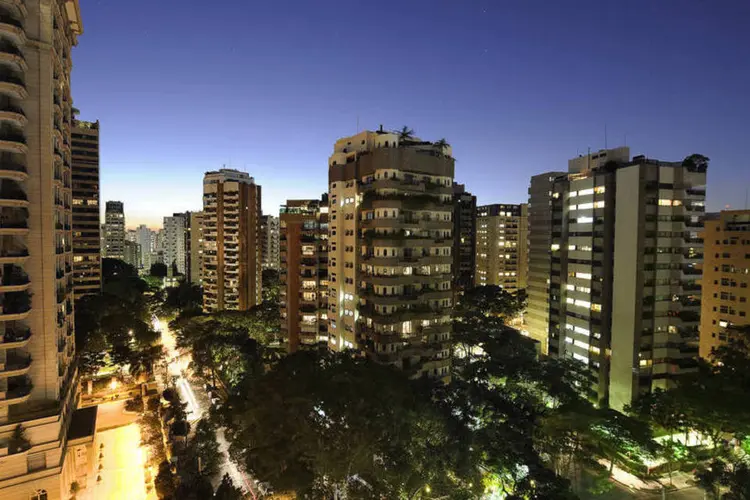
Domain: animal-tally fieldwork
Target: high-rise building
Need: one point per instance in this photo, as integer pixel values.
(390, 243)
(536, 316)
(176, 240)
(132, 253)
(131, 236)
(464, 238)
(87, 251)
(624, 269)
(269, 230)
(144, 237)
(231, 247)
(501, 255)
(114, 230)
(195, 274)
(38, 375)
(726, 277)
(304, 272)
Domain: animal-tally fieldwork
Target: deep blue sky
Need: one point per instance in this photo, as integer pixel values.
(516, 86)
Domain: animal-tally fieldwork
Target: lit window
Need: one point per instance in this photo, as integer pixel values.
(596, 307)
(585, 192)
(583, 276)
(585, 220)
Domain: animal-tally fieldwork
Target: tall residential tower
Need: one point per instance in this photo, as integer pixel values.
(501, 249)
(304, 272)
(114, 230)
(38, 375)
(231, 246)
(87, 251)
(390, 256)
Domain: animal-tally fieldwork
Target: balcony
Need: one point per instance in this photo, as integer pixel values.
(12, 58)
(19, 393)
(13, 228)
(13, 142)
(12, 29)
(10, 170)
(15, 280)
(15, 366)
(13, 86)
(13, 256)
(12, 195)
(15, 338)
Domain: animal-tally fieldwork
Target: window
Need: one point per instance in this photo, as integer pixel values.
(39, 495)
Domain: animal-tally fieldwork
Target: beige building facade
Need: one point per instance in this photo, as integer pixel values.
(38, 378)
(196, 248)
(725, 285)
(502, 246)
(390, 256)
(231, 248)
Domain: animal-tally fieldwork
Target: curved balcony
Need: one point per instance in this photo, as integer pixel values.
(15, 396)
(11, 195)
(17, 5)
(14, 339)
(12, 171)
(16, 306)
(13, 228)
(15, 366)
(12, 29)
(13, 115)
(14, 257)
(13, 87)
(12, 58)
(13, 143)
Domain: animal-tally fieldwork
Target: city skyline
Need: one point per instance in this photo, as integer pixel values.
(516, 91)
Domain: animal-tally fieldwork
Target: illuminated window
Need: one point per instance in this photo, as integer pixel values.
(596, 307)
(585, 192)
(599, 189)
(585, 220)
(583, 276)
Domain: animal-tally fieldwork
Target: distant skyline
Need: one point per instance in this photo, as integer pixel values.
(516, 88)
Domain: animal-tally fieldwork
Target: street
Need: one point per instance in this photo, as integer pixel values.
(193, 393)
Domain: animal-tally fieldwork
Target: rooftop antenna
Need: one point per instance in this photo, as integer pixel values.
(588, 157)
(625, 139)
(746, 193)
(358, 124)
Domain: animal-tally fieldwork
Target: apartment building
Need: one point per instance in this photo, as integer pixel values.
(304, 272)
(390, 250)
(176, 240)
(132, 253)
(231, 247)
(114, 230)
(38, 375)
(269, 230)
(501, 250)
(144, 238)
(726, 276)
(87, 251)
(195, 275)
(464, 238)
(625, 257)
(536, 316)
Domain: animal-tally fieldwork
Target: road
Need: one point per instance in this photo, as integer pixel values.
(193, 393)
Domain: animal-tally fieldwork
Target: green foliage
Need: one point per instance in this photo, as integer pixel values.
(317, 419)
(117, 323)
(697, 162)
(725, 480)
(185, 299)
(135, 404)
(18, 441)
(271, 286)
(227, 490)
(165, 482)
(232, 344)
(159, 270)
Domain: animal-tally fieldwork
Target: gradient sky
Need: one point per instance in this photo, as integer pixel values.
(516, 86)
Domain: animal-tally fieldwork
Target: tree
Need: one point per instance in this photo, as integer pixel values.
(158, 269)
(18, 441)
(204, 447)
(696, 162)
(323, 423)
(719, 475)
(227, 490)
(271, 286)
(405, 134)
(442, 145)
(165, 482)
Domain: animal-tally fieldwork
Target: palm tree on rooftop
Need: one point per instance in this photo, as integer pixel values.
(405, 134)
(442, 145)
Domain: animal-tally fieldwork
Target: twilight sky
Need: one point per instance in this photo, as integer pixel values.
(517, 87)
